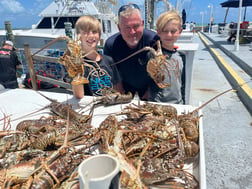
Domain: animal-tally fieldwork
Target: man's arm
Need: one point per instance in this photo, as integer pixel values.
(19, 70)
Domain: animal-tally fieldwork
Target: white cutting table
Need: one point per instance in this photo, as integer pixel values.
(189, 50)
(16, 103)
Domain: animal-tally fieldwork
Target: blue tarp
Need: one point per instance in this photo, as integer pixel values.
(235, 3)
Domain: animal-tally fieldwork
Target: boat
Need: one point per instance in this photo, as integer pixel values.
(154, 8)
(58, 19)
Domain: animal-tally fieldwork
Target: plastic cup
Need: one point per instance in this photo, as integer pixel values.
(98, 171)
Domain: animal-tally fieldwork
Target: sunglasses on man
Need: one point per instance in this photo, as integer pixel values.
(124, 7)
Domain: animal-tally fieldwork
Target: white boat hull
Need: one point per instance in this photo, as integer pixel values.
(35, 41)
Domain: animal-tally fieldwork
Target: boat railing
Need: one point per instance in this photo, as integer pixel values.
(52, 68)
(42, 62)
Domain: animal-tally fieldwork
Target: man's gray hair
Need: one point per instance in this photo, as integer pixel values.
(129, 11)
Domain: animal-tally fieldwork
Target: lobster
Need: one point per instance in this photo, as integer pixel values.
(158, 67)
(73, 60)
(158, 172)
(16, 157)
(13, 142)
(47, 173)
(112, 97)
(41, 133)
(133, 111)
(128, 140)
(141, 142)
(111, 144)
(50, 171)
(66, 111)
(42, 136)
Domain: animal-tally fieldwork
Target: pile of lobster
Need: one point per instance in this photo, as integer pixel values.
(151, 142)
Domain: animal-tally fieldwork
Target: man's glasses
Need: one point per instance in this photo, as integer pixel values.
(124, 7)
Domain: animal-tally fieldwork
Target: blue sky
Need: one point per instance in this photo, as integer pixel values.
(24, 13)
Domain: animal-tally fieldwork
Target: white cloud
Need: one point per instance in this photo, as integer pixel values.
(12, 9)
(11, 6)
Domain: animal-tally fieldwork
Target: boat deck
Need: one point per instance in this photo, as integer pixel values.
(226, 120)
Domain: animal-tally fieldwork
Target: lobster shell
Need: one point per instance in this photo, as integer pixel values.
(156, 68)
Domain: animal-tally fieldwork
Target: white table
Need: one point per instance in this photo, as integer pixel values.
(189, 50)
(20, 102)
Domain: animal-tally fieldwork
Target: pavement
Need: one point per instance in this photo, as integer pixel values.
(242, 56)
(235, 64)
(227, 123)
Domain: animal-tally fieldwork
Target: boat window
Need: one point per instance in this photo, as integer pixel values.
(106, 26)
(103, 27)
(62, 20)
(46, 22)
(109, 26)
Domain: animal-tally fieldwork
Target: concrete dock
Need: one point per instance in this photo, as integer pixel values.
(227, 123)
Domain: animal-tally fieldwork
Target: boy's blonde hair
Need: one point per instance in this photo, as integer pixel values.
(166, 17)
(88, 23)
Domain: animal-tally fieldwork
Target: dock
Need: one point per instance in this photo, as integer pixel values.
(227, 121)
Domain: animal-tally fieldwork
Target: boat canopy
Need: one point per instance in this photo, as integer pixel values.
(71, 8)
(58, 13)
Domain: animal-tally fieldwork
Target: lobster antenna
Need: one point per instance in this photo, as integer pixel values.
(29, 114)
(133, 54)
(235, 89)
(53, 41)
(211, 100)
(52, 100)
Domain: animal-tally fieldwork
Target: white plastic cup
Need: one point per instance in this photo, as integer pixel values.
(98, 171)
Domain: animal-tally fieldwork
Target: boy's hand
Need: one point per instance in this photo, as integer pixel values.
(79, 80)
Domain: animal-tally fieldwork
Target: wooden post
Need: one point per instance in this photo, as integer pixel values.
(8, 29)
(30, 66)
(102, 42)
